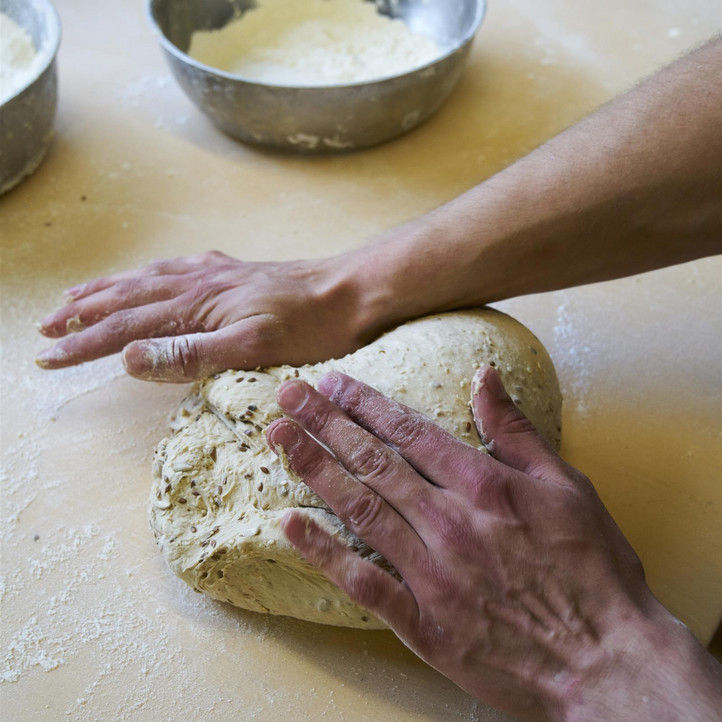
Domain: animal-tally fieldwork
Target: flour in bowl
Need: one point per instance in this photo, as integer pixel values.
(19, 61)
(314, 42)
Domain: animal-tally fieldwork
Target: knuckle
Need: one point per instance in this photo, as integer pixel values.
(370, 461)
(120, 322)
(351, 396)
(362, 511)
(186, 355)
(406, 429)
(191, 311)
(307, 461)
(513, 421)
(212, 257)
(128, 289)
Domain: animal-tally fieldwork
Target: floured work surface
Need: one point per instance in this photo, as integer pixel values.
(219, 492)
(93, 624)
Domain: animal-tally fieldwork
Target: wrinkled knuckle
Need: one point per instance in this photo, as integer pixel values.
(514, 422)
(321, 417)
(370, 461)
(351, 396)
(213, 257)
(185, 355)
(362, 512)
(121, 322)
(129, 288)
(191, 311)
(406, 430)
(307, 462)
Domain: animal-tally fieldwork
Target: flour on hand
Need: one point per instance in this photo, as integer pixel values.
(219, 492)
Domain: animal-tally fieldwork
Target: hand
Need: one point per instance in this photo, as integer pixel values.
(185, 318)
(517, 584)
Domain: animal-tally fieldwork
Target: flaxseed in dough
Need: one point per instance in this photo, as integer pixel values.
(219, 493)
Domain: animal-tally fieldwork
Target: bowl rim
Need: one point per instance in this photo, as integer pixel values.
(48, 52)
(185, 58)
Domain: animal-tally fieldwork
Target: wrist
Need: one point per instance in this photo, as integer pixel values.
(648, 667)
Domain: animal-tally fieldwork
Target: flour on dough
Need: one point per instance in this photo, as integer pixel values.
(219, 493)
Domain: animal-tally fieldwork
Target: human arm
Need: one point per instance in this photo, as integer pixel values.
(516, 583)
(633, 187)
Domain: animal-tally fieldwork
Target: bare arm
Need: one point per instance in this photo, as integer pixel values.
(634, 187)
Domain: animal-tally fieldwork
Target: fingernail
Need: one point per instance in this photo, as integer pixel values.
(292, 396)
(51, 357)
(146, 360)
(491, 381)
(282, 435)
(329, 384)
(44, 358)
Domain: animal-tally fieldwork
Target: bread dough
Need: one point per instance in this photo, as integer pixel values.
(219, 493)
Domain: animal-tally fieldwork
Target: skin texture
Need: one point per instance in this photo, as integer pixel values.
(212, 313)
(517, 584)
(635, 186)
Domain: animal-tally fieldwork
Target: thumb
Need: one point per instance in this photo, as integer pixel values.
(508, 434)
(178, 359)
(173, 359)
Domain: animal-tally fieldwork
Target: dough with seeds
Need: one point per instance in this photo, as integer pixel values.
(219, 492)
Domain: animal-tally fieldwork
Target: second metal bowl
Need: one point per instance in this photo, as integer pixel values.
(318, 119)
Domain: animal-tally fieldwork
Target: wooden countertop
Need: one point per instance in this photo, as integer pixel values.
(93, 624)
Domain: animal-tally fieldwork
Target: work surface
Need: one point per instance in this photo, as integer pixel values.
(93, 625)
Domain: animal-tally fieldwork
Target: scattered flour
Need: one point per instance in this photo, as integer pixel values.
(316, 42)
(19, 61)
(572, 354)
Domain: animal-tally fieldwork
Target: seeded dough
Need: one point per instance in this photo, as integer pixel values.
(219, 493)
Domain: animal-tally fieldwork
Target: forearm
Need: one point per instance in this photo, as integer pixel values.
(634, 187)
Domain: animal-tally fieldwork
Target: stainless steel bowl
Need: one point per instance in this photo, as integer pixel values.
(319, 119)
(27, 117)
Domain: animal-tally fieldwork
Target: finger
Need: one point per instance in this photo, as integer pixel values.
(508, 434)
(364, 512)
(129, 293)
(364, 582)
(112, 334)
(362, 454)
(162, 267)
(246, 344)
(433, 452)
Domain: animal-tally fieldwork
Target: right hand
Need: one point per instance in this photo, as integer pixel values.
(516, 582)
(181, 319)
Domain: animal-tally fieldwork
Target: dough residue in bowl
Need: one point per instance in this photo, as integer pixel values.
(312, 43)
(19, 59)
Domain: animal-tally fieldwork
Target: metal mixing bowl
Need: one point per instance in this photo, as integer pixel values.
(27, 117)
(319, 119)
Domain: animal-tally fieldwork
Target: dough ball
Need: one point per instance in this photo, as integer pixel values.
(219, 493)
